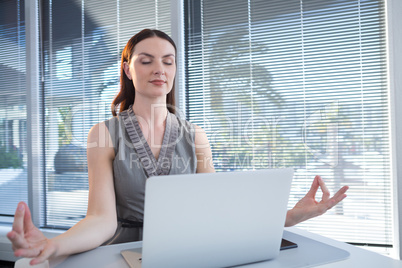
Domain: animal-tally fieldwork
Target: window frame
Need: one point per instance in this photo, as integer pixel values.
(394, 61)
(34, 112)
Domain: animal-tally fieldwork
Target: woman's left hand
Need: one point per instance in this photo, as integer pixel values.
(308, 207)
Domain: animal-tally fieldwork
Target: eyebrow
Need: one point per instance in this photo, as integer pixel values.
(149, 55)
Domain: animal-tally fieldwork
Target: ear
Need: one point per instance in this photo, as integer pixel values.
(126, 68)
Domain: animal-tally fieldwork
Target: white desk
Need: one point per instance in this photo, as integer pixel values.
(110, 257)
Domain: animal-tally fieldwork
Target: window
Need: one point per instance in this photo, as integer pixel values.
(13, 116)
(64, 63)
(298, 84)
(82, 42)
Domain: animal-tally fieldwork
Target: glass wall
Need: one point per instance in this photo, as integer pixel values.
(82, 42)
(299, 84)
(13, 115)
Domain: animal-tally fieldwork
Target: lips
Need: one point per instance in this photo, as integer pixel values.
(157, 82)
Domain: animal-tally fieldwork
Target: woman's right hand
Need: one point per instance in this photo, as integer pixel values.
(27, 240)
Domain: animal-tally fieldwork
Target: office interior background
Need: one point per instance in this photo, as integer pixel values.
(306, 84)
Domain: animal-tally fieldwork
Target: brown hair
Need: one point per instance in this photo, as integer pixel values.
(126, 96)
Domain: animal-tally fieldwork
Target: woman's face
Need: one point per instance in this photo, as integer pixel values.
(152, 67)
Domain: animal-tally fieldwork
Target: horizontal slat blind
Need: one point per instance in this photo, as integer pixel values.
(13, 115)
(82, 45)
(298, 84)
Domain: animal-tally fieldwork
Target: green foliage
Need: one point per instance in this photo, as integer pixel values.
(65, 134)
(9, 158)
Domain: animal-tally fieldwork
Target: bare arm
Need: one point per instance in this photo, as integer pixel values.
(100, 222)
(203, 152)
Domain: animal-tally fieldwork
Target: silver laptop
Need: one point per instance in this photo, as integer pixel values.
(213, 220)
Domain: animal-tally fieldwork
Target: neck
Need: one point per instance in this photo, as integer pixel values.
(152, 113)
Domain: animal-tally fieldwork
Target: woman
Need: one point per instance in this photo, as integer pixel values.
(145, 139)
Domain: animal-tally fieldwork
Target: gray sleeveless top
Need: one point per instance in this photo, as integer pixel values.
(134, 163)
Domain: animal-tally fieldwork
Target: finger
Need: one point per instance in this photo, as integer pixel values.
(28, 224)
(340, 195)
(43, 256)
(325, 192)
(18, 224)
(27, 252)
(17, 240)
(314, 187)
(343, 190)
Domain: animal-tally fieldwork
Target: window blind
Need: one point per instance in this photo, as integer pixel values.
(82, 44)
(13, 116)
(298, 84)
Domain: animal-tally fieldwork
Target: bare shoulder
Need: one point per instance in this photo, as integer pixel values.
(99, 140)
(203, 151)
(201, 139)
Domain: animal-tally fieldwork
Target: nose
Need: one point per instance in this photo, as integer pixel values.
(159, 70)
